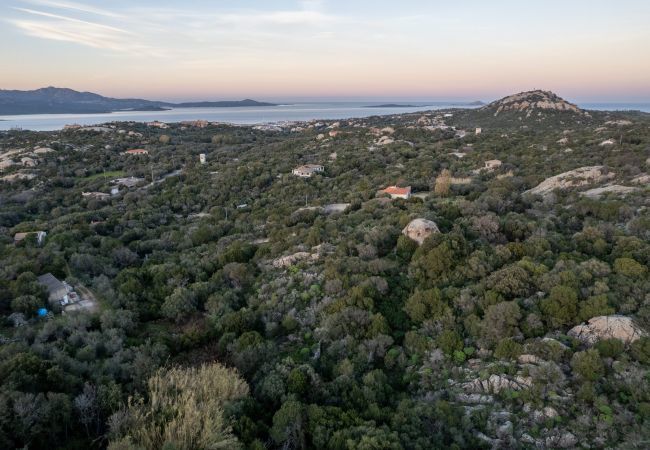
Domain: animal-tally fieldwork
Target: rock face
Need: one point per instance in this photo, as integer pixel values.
(607, 327)
(573, 178)
(532, 102)
(420, 229)
(385, 140)
(497, 383)
(290, 260)
(614, 189)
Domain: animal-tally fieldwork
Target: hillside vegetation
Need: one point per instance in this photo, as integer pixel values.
(266, 310)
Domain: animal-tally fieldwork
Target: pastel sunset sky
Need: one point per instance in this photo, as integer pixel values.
(585, 50)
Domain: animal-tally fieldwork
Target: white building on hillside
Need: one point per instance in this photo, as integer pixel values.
(307, 170)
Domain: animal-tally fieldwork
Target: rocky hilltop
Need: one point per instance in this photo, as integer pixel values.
(541, 109)
(532, 102)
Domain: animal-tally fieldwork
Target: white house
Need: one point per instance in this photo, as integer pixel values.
(202, 158)
(307, 170)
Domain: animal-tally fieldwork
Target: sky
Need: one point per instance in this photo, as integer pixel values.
(584, 50)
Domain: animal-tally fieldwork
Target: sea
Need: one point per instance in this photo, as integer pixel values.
(255, 115)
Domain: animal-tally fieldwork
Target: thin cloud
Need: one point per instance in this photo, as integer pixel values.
(74, 6)
(91, 34)
(70, 19)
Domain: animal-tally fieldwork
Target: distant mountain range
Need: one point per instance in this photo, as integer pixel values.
(52, 100)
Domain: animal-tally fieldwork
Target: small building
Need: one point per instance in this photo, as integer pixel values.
(397, 192)
(96, 195)
(40, 236)
(307, 170)
(492, 164)
(195, 123)
(157, 124)
(202, 158)
(56, 290)
(137, 151)
(478, 131)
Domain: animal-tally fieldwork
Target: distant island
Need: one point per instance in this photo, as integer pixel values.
(391, 105)
(401, 105)
(52, 100)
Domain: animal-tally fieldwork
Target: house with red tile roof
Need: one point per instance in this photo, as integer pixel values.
(397, 192)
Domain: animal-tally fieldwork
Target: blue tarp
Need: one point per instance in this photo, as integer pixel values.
(42, 312)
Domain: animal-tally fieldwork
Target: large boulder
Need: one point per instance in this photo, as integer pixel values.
(497, 383)
(571, 179)
(607, 327)
(420, 229)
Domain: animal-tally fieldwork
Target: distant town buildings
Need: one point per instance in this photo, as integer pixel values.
(202, 158)
(195, 123)
(40, 236)
(156, 124)
(397, 192)
(307, 170)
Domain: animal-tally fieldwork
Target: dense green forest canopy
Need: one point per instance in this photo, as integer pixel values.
(235, 307)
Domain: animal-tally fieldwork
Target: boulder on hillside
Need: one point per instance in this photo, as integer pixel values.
(607, 327)
(420, 229)
(497, 383)
(573, 178)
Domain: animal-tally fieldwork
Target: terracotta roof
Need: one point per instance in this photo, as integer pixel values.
(394, 190)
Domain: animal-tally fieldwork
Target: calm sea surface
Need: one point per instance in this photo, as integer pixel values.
(249, 115)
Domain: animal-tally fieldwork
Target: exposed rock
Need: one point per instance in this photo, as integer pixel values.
(547, 412)
(335, 208)
(497, 383)
(290, 260)
(607, 142)
(385, 140)
(607, 327)
(573, 178)
(505, 430)
(420, 229)
(620, 123)
(641, 179)
(528, 439)
(565, 440)
(388, 130)
(532, 101)
(613, 188)
(474, 398)
(424, 120)
(529, 359)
